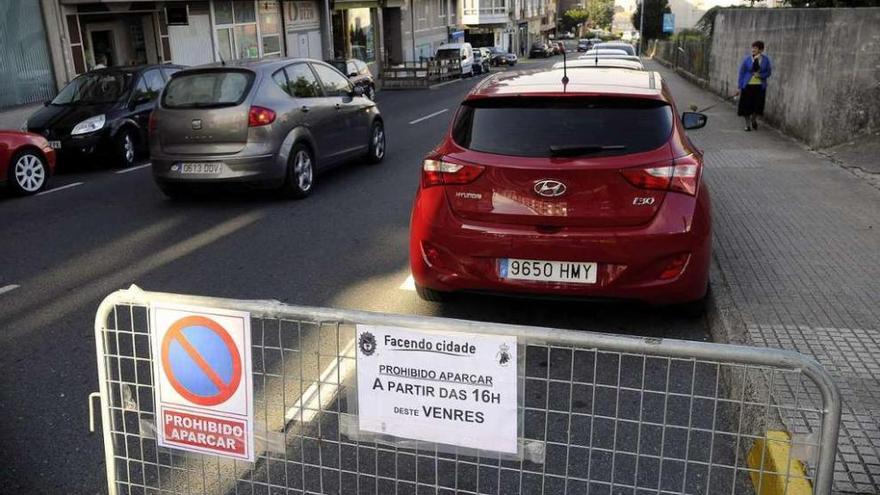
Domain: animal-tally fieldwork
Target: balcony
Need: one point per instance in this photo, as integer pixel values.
(476, 12)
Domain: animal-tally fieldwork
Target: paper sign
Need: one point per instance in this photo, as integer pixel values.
(454, 389)
(204, 390)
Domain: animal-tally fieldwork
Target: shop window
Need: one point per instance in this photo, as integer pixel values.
(362, 34)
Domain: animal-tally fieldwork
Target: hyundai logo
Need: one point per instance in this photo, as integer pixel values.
(549, 188)
(197, 124)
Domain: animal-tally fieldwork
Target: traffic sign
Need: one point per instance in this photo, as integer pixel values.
(204, 391)
(201, 361)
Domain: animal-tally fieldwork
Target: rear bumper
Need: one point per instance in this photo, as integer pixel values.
(265, 170)
(630, 260)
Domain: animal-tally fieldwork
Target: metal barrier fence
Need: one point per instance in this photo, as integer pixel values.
(598, 413)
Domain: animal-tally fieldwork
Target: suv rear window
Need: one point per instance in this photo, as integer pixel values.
(564, 126)
(208, 89)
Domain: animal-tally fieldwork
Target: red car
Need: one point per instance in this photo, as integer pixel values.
(587, 189)
(26, 161)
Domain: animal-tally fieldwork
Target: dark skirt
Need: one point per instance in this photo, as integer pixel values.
(751, 101)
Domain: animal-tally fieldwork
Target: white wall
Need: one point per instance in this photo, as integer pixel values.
(191, 45)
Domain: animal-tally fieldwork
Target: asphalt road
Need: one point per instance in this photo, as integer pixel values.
(345, 246)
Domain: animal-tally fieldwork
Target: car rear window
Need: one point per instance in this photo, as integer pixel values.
(569, 126)
(208, 89)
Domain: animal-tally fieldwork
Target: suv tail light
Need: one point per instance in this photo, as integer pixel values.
(259, 116)
(438, 173)
(682, 176)
(154, 123)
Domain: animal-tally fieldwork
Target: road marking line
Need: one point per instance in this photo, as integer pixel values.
(322, 392)
(68, 186)
(132, 169)
(426, 117)
(408, 284)
(8, 288)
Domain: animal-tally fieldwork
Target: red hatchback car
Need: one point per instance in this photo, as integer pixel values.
(587, 189)
(26, 161)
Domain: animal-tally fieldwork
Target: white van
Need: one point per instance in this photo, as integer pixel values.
(462, 51)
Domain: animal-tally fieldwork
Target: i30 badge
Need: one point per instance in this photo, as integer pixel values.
(549, 188)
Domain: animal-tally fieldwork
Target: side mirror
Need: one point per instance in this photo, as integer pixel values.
(693, 120)
(357, 91)
(353, 74)
(46, 103)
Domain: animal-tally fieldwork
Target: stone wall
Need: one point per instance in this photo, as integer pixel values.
(825, 87)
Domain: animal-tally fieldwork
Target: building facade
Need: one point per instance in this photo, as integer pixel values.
(75, 36)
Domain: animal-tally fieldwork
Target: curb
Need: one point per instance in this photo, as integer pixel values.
(771, 468)
(774, 471)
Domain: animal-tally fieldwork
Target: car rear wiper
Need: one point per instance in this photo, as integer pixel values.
(583, 149)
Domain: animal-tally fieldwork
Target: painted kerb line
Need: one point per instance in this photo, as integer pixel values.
(68, 186)
(426, 117)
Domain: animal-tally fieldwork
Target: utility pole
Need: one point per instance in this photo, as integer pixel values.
(641, 26)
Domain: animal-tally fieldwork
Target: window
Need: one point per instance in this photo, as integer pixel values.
(169, 71)
(301, 81)
(95, 87)
(350, 68)
(335, 84)
(270, 31)
(214, 88)
(531, 126)
(236, 30)
(361, 34)
(140, 93)
(154, 81)
(361, 67)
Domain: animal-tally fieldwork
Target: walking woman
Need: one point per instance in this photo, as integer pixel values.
(754, 71)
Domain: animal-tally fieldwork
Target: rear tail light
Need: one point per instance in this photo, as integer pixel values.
(438, 173)
(259, 116)
(154, 122)
(682, 176)
(675, 266)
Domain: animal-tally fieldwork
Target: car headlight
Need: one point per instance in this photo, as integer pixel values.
(91, 124)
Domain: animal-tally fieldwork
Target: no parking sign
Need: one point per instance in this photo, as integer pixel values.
(204, 391)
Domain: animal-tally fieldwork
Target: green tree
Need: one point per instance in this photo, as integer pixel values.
(600, 13)
(572, 18)
(654, 10)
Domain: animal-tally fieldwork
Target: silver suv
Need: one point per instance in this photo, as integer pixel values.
(268, 123)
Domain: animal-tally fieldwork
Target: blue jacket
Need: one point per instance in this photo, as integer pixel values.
(745, 71)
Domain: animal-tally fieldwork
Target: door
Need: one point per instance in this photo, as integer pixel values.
(315, 113)
(302, 44)
(144, 99)
(102, 48)
(350, 129)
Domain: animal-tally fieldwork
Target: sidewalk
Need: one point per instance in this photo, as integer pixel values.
(797, 264)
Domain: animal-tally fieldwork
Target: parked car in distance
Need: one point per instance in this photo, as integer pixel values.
(609, 57)
(540, 50)
(481, 61)
(601, 63)
(584, 45)
(617, 45)
(501, 57)
(548, 209)
(558, 47)
(103, 113)
(26, 161)
(359, 75)
(266, 123)
(464, 52)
